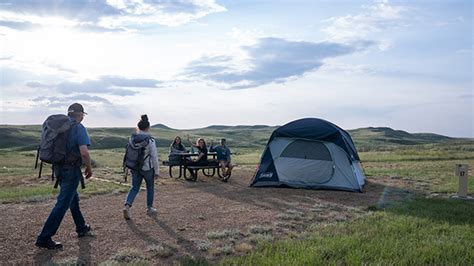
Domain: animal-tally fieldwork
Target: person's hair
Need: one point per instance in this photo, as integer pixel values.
(143, 124)
(202, 141)
(181, 147)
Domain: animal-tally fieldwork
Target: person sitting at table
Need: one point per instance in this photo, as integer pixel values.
(223, 157)
(176, 148)
(201, 159)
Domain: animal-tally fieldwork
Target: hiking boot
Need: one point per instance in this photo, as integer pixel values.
(126, 212)
(151, 211)
(50, 244)
(86, 232)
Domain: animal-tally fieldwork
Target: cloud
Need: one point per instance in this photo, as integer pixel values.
(10, 76)
(163, 12)
(37, 84)
(135, 83)
(269, 60)
(19, 25)
(112, 85)
(65, 101)
(61, 68)
(90, 27)
(375, 18)
(103, 15)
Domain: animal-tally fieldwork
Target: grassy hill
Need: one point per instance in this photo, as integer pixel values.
(242, 136)
(384, 138)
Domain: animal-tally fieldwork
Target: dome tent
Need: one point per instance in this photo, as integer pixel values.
(310, 153)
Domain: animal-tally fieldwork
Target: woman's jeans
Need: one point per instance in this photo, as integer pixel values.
(68, 199)
(137, 177)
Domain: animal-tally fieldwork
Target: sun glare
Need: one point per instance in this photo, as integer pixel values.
(60, 44)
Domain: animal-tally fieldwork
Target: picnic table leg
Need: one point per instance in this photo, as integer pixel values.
(195, 175)
(185, 174)
(171, 171)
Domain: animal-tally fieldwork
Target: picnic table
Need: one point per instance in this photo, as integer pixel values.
(208, 170)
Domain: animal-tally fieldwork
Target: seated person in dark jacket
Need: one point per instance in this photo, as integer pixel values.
(176, 149)
(201, 159)
(223, 157)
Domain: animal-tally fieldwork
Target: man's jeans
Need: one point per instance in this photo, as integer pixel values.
(67, 199)
(137, 177)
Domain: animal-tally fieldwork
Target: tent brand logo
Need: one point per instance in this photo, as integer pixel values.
(266, 174)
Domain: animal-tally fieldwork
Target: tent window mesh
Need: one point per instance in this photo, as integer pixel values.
(309, 150)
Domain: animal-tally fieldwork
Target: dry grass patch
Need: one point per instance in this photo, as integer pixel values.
(224, 234)
(227, 249)
(127, 256)
(259, 229)
(162, 251)
(243, 247)
(291, 215)
(203, 245)
(258, 238)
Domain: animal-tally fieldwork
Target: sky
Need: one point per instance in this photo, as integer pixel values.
(189, 64)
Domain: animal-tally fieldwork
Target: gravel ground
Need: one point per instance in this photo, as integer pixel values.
(188, 214)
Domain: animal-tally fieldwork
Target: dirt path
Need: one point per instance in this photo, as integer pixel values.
(192, 220)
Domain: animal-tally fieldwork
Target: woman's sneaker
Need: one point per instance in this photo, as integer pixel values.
(126, 212)
(151, 211)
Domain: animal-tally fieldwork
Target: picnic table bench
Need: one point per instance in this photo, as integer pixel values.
(208, 170)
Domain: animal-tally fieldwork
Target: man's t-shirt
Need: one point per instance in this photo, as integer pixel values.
(223, 153)
(77, 137)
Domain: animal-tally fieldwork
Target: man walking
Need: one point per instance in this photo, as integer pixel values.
(70, 175)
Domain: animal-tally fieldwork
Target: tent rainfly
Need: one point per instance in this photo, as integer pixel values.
(310, 153)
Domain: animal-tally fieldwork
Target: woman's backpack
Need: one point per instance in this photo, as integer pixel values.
(135, 157)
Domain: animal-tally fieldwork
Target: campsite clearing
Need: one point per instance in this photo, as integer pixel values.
(210, 220)
(207, 219)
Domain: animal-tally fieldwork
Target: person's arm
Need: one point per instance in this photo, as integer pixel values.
(190, 142)
(199, 157)
(174, 150)
(184, 149)
(154, 158)
(86, 160)
(83, 142)
(228, 155)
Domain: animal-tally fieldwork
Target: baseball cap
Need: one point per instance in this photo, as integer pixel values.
(76, 108)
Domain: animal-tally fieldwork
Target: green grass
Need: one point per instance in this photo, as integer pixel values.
(431, 167)
(417, 232)
(30, 193)
(37, 192)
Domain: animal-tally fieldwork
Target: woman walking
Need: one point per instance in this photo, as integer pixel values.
(149, 171)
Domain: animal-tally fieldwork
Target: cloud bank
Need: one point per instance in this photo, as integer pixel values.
(111, 85)
(270, 60)
(103, 15)
(374, 19)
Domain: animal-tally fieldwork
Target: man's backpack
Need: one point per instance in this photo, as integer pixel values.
(135, 157)
(53, 144)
